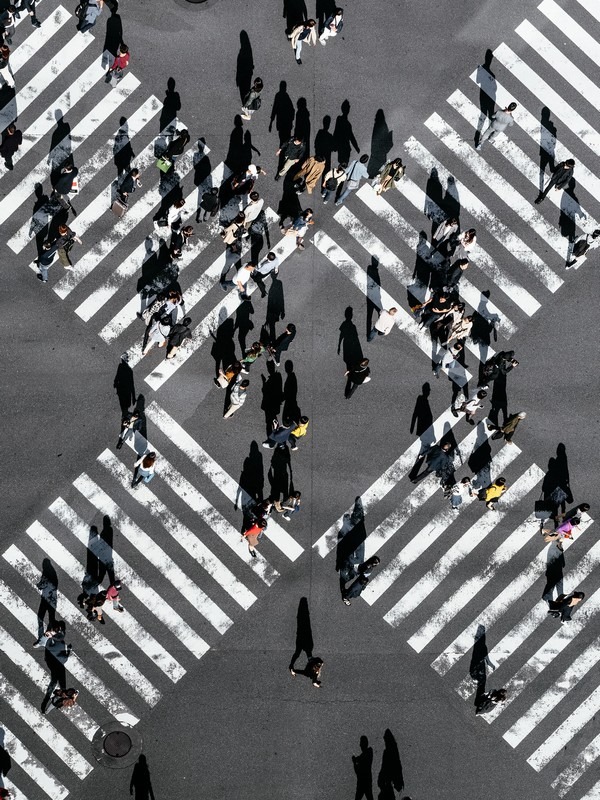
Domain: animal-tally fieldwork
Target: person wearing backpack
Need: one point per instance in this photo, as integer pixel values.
(252, 101)
(581, 247)
(88, 12)
(332, 180)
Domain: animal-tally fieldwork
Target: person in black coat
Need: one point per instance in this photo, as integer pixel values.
(282, 343)
(63, 185)
(560, 178)
(12, 139)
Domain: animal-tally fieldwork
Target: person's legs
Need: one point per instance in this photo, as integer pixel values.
(258, 280)
(343, 196)
(231, 410)
(43, 272)
(372, 334)
(456, 500)
(298, 50)
(173, 351)
(350, 389)
(289, 162)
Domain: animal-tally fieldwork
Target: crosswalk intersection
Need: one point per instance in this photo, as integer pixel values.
(187, 576)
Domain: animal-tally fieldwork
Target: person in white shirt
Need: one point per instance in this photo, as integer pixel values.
(460, 491)
(473, 404)
(242, 277)
(384, 324)
(237, 397)
(268, 266)
(253, 209)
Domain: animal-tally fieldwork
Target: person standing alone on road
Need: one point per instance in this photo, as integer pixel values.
(560, 179)
(12, 139)
(357, 375)
(384, 324)
(303, 34)
(501, 120)
(252, 101)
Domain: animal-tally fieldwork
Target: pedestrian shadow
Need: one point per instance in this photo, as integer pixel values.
(480, 458)
(289, 205)
(291, 409)
(302, 126)
(373, 293)
(41, 208)
(391, 777)
(434, 197)
(5, 759)
(223, 348)
(486, 80)
(280, 474)
(202, 168)
(252, 477)
(555, 565)
(363, 767)
(304, 636)
(275, 308)
(112, 39)
(499, 401)
(243, 323)
(235, 155)
(556, 486)
(48, 587)
(480, 661)
(382, 141)
(348, 341)
(244, 68)
(324, 143)
(247, 149)
(272, 395)
(282, 114)
(123, 153)
(294, 12)
(422, 416)
(140, 785)
(171, 107)
(343, 135)
(570, 211)
(350, 548)
(60, 144)
(547, 145)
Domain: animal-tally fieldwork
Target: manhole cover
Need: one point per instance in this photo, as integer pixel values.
(117, 744)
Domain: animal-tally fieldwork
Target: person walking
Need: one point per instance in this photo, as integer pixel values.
(562, 531)
(232, 236)
(252, 210)
(226, 375)
(564, 605)
(63, 185)
(581, 247)
(357, 375)
(255, 350)
(306, 33)
(209, 205)
(293, 150)
(493, 493)
(560, 179)
(500, 121)
(45, 260)
(390, 174)
(178, 335)
(460, 330)
(268, 266)
(252, 101)
(64, 698)
(112, 594)
(254, 534)
(312, 670)
(282, 343)
(355, 172)
(90, 11)
(439, 460)
(29, 6)
(130, 424)
(311, 172)
(12, 139)
(280, 435)
(473, 404)
(129, 184)
(120, 63)
(299, 227)
(242, 276)
(237, 397)
(243, 183)
(5, 70)
(7, 23)
(94, 605)
(460, 492)
(331, 181)
(144, 469)
(299, 432)
(333, 25)
(289, 506)
(157, 333)
(509, 428)
(384, 324)
(180, 239)
(489, 700)
(64, 244)
(445, 235)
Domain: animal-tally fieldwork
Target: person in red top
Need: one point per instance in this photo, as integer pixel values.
(253, 534)
(112, 593)
(120, 63)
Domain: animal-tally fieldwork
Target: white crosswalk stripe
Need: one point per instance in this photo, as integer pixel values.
(32, 767)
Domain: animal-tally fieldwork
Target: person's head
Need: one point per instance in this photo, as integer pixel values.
(12, 8)
(12, 128)
(254, 197)
(521, 414)
(500, 695)
(570, 162)
(451, 221)
(135, 172)
(397, 162)
(290, 328)
(576, 595)
(67, 166)
(253, 170)
(468, 318)
(458, 347)
(339, 11)
(240, 217)
(583, 507)
(271, 256)
(392, 311)
(47, 245)
(511, 107)
(63, 230)
(465, 481)
(215, 190)
(123, 49)
(462, 263)
(174, 296)
(307, 213)
(179, 203)
(297, 495)
(310, 23)
(249, 267)
(364, 158)
(500, 481)
(165, 320)
(481, 394)
(245, 384)
(188, 231)
(184, 133)
(297, 140)
(187, 321)
(320, 159)
(4, 51)
(258, 84)
(596, 233)
(575, 520)
(303, 420)
(446, 446)
(262, 523)
(470, 235)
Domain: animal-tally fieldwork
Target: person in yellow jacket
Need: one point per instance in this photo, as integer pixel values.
(298, 432)
(494, 492)
(311, 171)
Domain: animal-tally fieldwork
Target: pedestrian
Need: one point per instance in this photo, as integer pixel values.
(112, 594)
(252, 353)
(391, 172)
(254, 534)
(564, 605)
(299, 432)
(253, 209)
(289, 506)
(180, 239)
(493, 493)
(64, 698)
(227, 375)
(130, 424)
(268, 266)
(243, 183)
(12, 139)
(355, 172)
(560, 179)
(473, 404)
(293, 150)
(306, 33)
(440, 461)
(232, 234)
(489, 700)
(252, 101)
(384, 324)
(460, 330)
(333, 25)
(299, 227)
(508, 429)
(157, 333)
(89, 13)
(282, 343)
(237, 397)
(449, 361)
(53, 636)
(312, 670)
(7, 22)
(500, 121)
(499, 364)
(64, 244)
(453, 275)
(144, 469)
(562, 531)
(357, 375)
(242, 276)
(63, 185)
(46, 258)
(280, 434)
(178, 335)
(460, 491)
(120, 63)
(465, 242)
(581, 247)
(177, 145)
(174, 308)
(29, 6)
(5, 70)
(332, 180)
(445, 235)
(209, 204)
(94, 605)
(354, 590)
(582, 508)
(311, 172)
(129, 184)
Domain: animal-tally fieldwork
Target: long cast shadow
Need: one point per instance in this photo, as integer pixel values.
(363, 767)
(140, 783)
(304, 637)
(390, 776)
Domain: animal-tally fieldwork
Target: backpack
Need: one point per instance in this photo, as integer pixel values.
(81, 9)
(331, 184)
(580, 248)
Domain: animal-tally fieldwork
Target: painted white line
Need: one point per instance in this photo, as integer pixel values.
(33, 768)
(125, 621)
(39, 677)
(113, 657)
(138, 212)
(577, 768)
(520, 161)
(38, 38)
(47, 120)
(217, 316)
(485, 263)
(135, 123)
(82, 673)
(403, 321)
(154, 554)
(576, 33)
(467, 291)
(459, 551)
(560, 687)
(130, 266)
(510, 594)
(591, 7)
(207, 465)
(427, 536)
(546, 95)
(540, 134)
(513, 244)
(180, 533)
(136, 585)
(473, 585)
(505, 192)
(39, 725)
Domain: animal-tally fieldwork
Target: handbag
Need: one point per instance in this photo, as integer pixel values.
(164, 164)
(497, 435)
